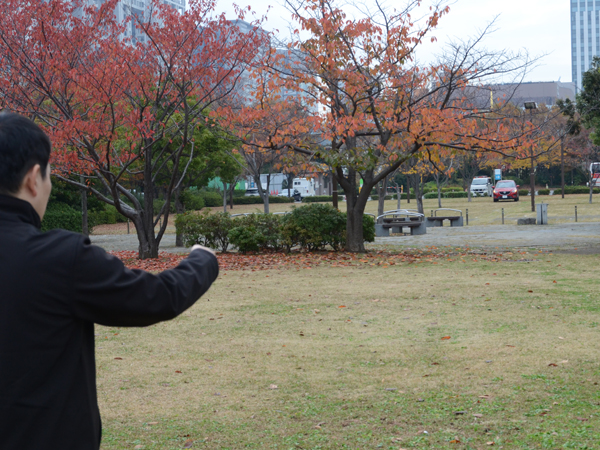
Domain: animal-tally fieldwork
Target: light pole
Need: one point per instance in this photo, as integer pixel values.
(530, 106)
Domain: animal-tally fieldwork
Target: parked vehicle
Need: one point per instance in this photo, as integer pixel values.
(595, 171)
(506, 190)
(305, 186)
(482, 186)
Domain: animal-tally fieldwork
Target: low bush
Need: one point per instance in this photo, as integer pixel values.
(61, 215)
(523, 192)
(211, 230)
(192, 200)
(256, 232)
(577, 190)
(211, 198)
(376, 197)
(403, 196)
(319, 199)
(106, 216)
(432, 195)
(543, 192)
(256, 200)
(314, 226)
(456, 194)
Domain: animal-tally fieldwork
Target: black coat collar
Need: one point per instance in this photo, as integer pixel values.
(19, 208)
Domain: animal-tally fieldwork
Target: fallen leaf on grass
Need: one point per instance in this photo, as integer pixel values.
(445, 338)
(455, 441)
(118, 357)
(490, 443)
(188, 443)
(552, 365)
(479, 416)
(272, 386)
(152, 423)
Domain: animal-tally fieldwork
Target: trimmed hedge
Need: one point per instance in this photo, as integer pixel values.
(257, 200)
(543, 192)
(457, 194)
(256, 232)
(61, 215)
(320, 198)
(376, 197)
(211, 230)
(312, 227)
(523, 192)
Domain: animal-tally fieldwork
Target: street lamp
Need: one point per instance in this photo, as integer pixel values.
(530, 106)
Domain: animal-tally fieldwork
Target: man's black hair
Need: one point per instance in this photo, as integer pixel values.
(23, 144)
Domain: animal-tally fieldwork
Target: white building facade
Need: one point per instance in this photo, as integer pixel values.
(585, 36)
(138, 9)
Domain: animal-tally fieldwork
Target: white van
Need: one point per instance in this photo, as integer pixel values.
(482, 185)
(305, 186)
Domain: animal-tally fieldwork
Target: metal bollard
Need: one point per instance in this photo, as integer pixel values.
(502, 216)
(575, 213)
(432, 213)
(467, 216)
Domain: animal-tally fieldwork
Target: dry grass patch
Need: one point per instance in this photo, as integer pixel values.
(457, 354)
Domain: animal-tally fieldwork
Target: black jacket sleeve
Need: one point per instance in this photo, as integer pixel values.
(108, 293)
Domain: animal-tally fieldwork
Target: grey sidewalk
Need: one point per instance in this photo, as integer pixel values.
(559, 236)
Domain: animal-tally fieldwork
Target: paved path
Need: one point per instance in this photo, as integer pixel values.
(559, 236)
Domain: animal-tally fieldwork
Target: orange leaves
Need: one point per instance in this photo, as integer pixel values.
(445, 338)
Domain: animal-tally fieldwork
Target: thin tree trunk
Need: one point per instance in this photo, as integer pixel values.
(532, 183)
(439, 191)
(381, 200)
(84, 210)
(224, 197)
(562, 166)
(399, 195)
(179, 209)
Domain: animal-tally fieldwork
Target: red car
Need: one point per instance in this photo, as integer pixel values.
(506, 190)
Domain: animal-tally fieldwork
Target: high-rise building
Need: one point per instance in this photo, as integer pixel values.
(138, 9)
(585, 36)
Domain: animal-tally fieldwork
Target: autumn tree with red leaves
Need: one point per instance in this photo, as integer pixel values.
(377, 109)
(121, 114)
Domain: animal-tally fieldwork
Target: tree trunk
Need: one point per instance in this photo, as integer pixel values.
(532, 184)
(224, 197)
(591, 184)
(145, 224)
(84, 210)
(382, 190)
(399, 194)
(562, 166)
(179, 209)
(439, 191)
(408, 190)
(417, 189)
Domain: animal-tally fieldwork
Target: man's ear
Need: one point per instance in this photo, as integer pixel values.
(30, 181)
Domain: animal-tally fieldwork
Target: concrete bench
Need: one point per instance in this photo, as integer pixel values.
(397, 220)
(435, 220)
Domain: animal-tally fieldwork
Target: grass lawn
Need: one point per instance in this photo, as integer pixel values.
(433, 350)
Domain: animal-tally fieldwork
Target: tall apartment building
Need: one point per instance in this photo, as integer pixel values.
(139, 9)
(585, 36)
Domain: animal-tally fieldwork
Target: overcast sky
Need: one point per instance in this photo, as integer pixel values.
(537, 26)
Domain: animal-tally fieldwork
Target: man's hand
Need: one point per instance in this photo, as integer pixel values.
(202, 247)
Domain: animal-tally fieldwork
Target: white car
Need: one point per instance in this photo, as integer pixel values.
(482, 186)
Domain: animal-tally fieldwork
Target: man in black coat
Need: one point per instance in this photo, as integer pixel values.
(53, 287)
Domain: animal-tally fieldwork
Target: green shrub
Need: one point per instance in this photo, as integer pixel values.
(106, 216)
(368, 228)
(158, 203)
(61, 215)
(432, 195)
(456, 194)
(211, 198)
(192, 200)
(256, 232)
(523, 192)
(376, 197)
(211, 230)
(256, 200)
(577, 190)
(543, 192)
(318, 199)
(313, 227)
